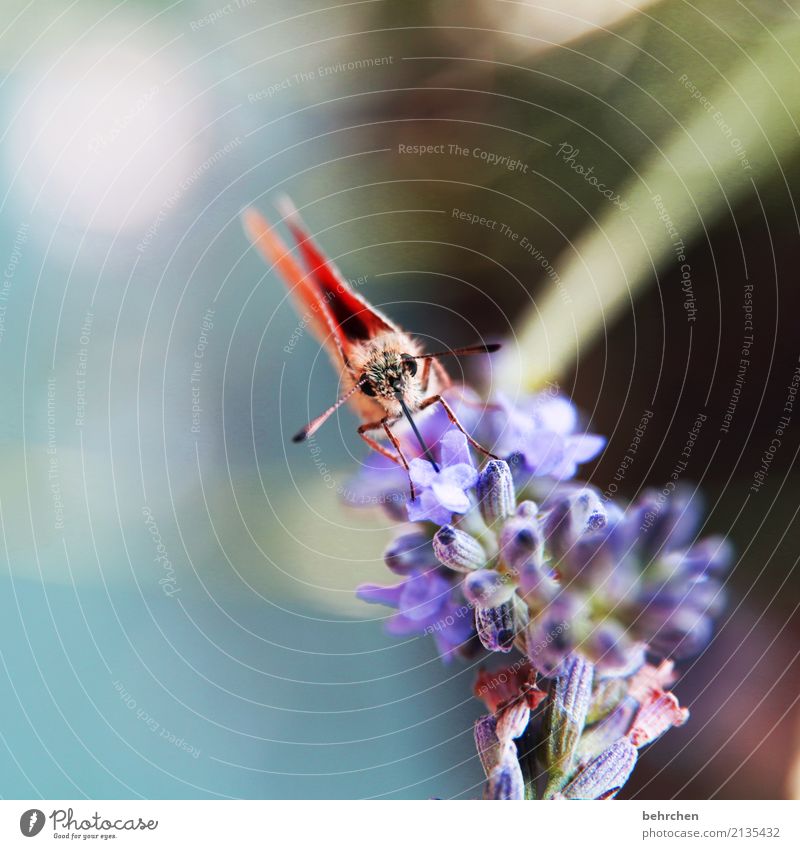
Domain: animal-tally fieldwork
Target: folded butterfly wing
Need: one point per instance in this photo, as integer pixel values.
(338, 316)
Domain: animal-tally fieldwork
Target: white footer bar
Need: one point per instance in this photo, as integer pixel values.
(383, 824)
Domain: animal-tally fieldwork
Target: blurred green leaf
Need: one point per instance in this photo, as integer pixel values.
(712, 100)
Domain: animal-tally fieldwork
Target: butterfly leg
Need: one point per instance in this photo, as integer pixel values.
(454, 419)
(398, 458)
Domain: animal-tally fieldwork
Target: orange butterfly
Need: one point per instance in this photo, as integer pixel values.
(377, 360)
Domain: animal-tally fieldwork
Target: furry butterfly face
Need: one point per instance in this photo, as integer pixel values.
(388, 367)
(389, 374)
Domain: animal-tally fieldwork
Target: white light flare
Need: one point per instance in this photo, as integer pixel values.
(103, 137)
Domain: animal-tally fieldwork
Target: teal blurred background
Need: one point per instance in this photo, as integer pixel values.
(176, 604)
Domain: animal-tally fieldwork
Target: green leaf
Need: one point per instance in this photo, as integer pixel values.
(711, 115)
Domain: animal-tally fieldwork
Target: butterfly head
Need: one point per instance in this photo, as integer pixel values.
(390, 375)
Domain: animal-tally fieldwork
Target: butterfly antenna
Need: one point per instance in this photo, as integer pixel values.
(314, 425)
(461, 352)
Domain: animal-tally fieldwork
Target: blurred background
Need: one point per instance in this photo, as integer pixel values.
(177, 616)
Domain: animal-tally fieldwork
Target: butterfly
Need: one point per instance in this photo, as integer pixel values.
(385, 371)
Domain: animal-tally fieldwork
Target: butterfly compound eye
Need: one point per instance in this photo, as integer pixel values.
(410, 364)
(366, 387)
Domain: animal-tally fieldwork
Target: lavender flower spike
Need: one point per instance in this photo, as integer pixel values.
(585, 590)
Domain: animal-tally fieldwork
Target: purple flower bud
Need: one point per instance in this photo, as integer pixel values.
(592, 512)
(506, 781)
(521, 540)
(572, 695)
(587, 512)
(579, 512)
(537, 585)
(527, 509)
(709, 557)
(549, 636)
(664, 525)
(487, 588)
(607, 693)
(614, 652)
(458, 549)
(496, 491)
(487, 743)
(701, 594)
(410, 553)
(679, 633)
(601, 735)
(495, 626)
(522, 550)
(603, 777)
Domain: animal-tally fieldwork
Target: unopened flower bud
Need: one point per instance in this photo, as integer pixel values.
(496, 491)
(487, 588)
(708, 557)
(574, 514)
(495, 626)
(506, 781)
(602, 734)
(458, 549)
(410, 553)
(521, 540)
(549, 638)
(607, 694)
(611, 647)
(487, 743)
(572, 695)
(669, 524)
(603, 777)
(680, 632)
